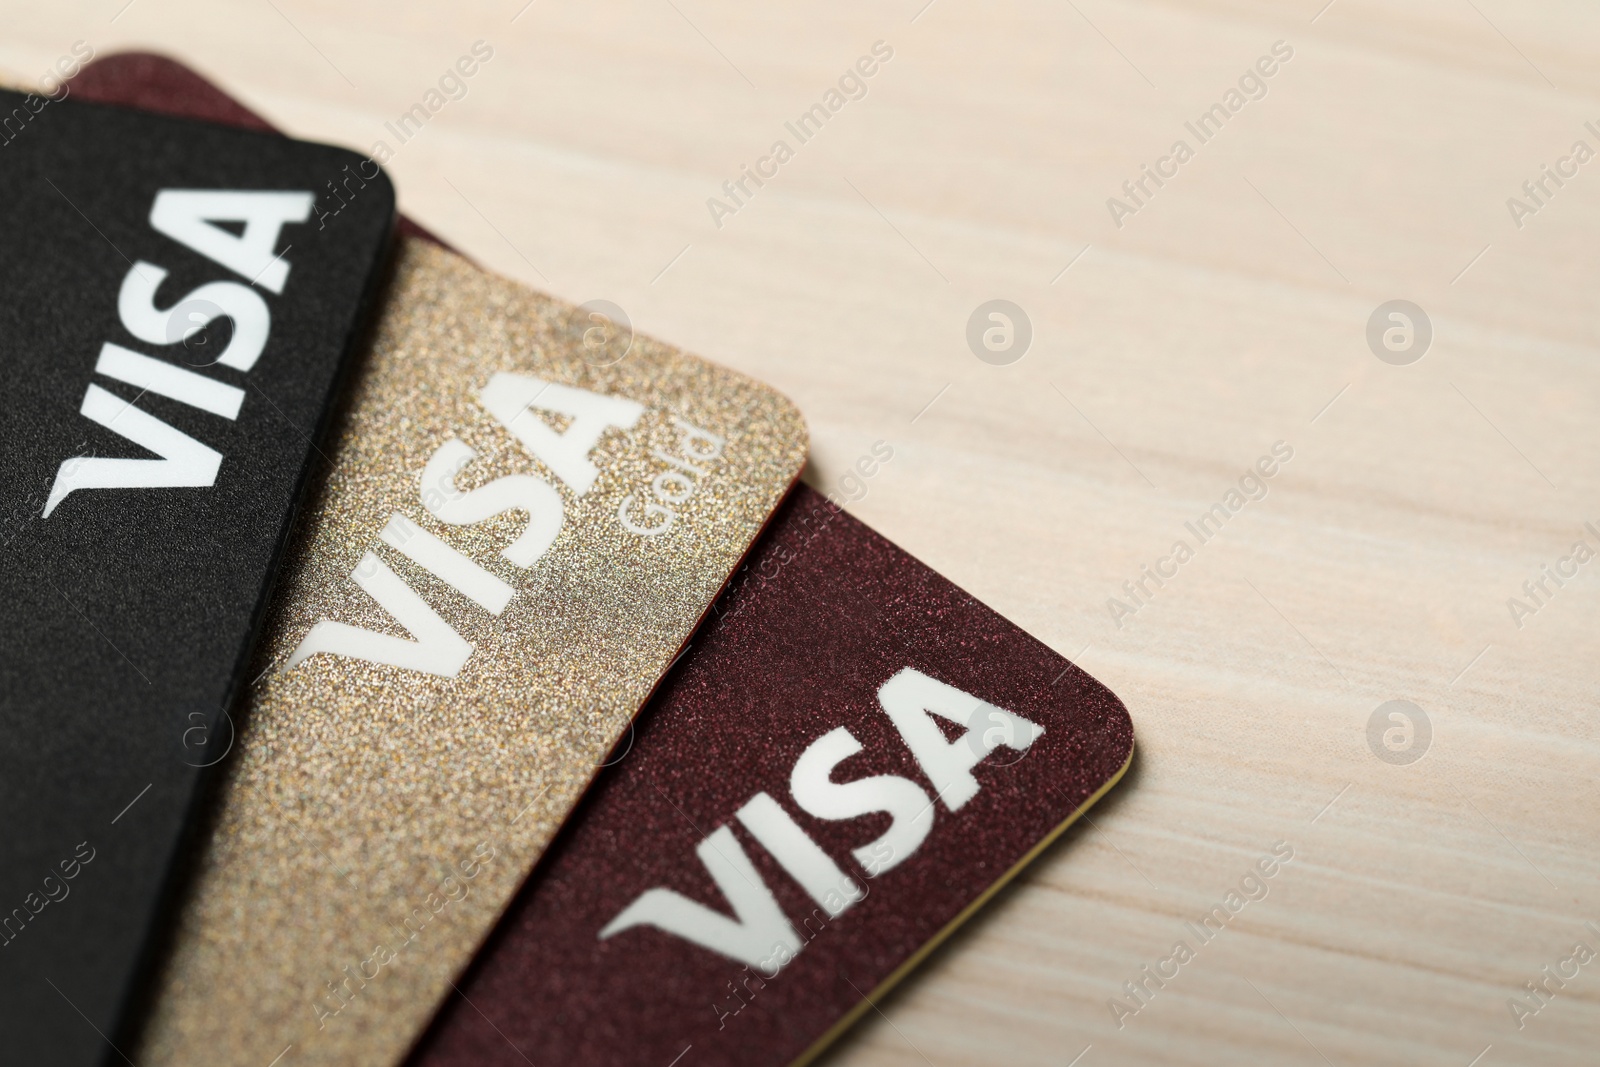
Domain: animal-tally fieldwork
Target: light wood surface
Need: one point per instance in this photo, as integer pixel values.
(1222, 317)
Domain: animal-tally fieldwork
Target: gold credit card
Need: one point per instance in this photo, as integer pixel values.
(526, 512)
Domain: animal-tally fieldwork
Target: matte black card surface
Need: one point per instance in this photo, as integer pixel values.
(177, 303)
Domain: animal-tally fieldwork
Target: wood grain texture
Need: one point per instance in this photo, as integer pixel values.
(1222, 317)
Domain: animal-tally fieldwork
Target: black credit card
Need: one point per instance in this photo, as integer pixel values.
(178, 302)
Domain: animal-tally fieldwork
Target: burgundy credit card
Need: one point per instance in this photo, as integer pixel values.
(851, 758)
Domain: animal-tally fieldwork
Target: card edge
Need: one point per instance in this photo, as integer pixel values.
(912, 962)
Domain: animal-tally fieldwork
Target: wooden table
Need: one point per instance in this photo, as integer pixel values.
(1227, 312)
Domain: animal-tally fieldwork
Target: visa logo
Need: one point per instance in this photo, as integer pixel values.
(758, 933)
(190, 217)
(515, 402)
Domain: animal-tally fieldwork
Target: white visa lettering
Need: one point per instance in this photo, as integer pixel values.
(445, 563)
(759, 931)
(136, 307)
(798, 854)
(523, 492)
(812, 785)
(434, 648)
(911, 696)
(184, 461)
(188, 216)
(169, 380)
(509, 398)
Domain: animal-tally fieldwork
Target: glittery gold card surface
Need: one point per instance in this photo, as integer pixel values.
(520, 527)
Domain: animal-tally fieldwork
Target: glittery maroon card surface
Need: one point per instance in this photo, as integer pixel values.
(853, 756)
(153, 82)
